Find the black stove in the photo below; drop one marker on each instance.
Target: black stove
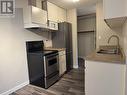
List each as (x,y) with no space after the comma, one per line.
(43,65)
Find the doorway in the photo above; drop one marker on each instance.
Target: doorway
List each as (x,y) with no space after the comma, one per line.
(86,35)
(85,43)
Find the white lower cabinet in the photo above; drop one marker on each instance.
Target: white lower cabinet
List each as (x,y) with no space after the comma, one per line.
(62,62)
(104,78)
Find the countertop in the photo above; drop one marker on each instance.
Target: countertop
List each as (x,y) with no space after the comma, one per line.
(109,58)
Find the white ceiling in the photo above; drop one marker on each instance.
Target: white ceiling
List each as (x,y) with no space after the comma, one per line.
(83,6)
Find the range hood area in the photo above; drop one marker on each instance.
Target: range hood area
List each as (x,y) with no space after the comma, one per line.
(35,17)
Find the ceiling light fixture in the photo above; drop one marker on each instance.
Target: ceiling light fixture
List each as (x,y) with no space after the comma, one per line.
(75,0)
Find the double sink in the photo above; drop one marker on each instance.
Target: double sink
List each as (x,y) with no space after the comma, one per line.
(109,50)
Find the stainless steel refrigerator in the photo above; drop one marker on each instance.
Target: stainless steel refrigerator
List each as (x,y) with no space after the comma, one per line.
(63,39)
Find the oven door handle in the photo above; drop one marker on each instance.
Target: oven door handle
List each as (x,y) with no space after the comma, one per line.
(45,72)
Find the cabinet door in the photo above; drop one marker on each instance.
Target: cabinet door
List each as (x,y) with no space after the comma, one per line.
(114,8)
(39,16)
(56,13)
(52,12)
(61,14)
(104,78)
(62,62)
(60,65)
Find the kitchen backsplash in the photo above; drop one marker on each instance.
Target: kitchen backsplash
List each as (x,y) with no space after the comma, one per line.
(45,34)
(48,43)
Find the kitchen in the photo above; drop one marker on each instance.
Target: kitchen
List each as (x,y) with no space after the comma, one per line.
(13,67)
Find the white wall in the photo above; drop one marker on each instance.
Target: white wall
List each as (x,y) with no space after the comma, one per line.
(103,32)
(87,24)
(13,59)
(72,18)
(125,38)
(125,47)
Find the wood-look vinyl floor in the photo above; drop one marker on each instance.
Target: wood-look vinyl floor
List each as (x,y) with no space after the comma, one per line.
(71,83)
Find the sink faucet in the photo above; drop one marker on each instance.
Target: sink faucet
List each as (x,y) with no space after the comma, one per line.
(117,41)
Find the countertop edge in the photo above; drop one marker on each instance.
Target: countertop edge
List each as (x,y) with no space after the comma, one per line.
(92,57)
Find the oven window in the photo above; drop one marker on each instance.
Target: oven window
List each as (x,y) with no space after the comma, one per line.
(52,61)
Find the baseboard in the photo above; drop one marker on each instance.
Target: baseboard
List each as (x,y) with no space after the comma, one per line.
(15,88)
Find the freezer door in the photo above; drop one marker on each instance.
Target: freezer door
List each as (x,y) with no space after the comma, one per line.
(58,38)
(68,36)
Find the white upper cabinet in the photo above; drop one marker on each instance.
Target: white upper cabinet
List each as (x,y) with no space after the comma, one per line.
(114,8)
(61,14)
(38,16)
(115,12)
(34,17)
(56,13)
(52,12)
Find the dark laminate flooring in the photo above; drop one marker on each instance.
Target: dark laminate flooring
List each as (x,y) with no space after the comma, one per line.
(71,83)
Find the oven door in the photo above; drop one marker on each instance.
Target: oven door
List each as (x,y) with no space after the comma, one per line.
(51,64)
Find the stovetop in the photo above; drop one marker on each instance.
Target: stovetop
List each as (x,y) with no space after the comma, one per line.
(47,52)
